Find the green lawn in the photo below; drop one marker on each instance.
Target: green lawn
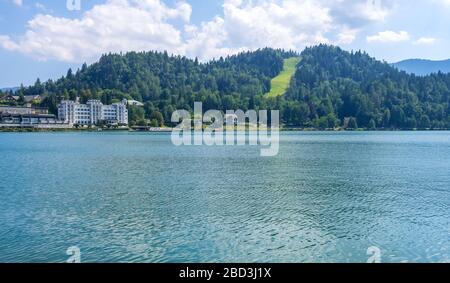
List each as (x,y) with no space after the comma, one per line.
(280,83)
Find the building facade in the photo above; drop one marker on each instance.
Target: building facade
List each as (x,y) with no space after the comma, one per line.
(28,119)
(23,110)
(22,116)
(92,113)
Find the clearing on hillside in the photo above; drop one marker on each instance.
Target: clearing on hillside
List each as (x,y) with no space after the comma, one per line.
(280,83)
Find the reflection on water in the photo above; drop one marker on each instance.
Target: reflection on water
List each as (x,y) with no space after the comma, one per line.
(327,197)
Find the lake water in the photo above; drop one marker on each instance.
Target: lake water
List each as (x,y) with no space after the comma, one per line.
(127,197)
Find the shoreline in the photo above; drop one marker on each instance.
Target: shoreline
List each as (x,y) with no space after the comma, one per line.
(168,130)
(38,130)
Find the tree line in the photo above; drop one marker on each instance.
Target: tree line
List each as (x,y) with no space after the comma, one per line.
(331,88)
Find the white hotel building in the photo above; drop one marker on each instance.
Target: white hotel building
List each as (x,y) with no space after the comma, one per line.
(92,112)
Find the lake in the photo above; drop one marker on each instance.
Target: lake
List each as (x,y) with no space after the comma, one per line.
(135,197)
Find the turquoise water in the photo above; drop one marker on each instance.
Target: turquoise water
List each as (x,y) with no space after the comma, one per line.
(126,197)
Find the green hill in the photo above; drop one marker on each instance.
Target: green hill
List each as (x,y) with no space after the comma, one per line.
(323,87)
(332,86)
(280,83)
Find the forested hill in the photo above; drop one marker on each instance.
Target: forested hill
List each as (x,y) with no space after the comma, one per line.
(331,88)
(331,85)
(166,83)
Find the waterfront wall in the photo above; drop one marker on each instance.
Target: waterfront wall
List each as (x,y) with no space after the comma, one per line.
(37,126)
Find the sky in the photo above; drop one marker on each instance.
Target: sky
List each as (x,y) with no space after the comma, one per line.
(44,38)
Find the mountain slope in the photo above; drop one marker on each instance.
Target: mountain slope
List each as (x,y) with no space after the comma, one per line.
(280,84)
(9,89)
(165,83)
(330,88)
(332,85)
(422,67)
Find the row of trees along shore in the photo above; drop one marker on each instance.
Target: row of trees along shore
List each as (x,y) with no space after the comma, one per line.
(331,88)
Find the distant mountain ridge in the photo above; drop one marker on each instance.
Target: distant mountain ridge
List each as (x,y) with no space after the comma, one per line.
(422,67)
(7,89)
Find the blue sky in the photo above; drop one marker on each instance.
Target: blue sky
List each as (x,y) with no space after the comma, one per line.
(44,38)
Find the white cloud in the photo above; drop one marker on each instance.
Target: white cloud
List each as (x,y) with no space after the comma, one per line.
(137,25)
(284,24)
(288,24)
(346,36)
(359,12)
(42,8)
(117,25)
(425,41)
(208,41)
(18,2)
(373,10)
(7,43)
(389,36)
(443,2)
